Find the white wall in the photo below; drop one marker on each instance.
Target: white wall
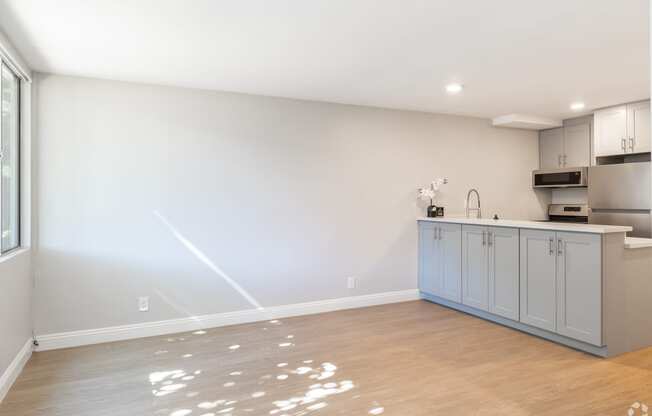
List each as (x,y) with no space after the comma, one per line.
(138,183)
(15,267)
(15,307)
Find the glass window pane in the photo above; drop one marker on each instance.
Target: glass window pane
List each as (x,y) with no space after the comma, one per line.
(9,159)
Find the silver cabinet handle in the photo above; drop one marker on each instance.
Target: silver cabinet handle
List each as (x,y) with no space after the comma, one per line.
(560,247)
(631,143)
(623,144)
(552,246)
(559,160)
(484,239)
(489,237)
(565,158)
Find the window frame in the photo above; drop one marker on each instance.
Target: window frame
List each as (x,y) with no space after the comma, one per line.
(19,131)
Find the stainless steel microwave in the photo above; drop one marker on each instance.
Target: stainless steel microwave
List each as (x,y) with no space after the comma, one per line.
(560,178)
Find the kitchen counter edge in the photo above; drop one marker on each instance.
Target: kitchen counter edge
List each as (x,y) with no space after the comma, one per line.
(534,225)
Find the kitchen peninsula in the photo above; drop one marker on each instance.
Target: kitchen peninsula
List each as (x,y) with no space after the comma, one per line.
(586,286)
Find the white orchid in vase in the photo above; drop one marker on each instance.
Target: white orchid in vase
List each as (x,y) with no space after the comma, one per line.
(430,193)
(427,194)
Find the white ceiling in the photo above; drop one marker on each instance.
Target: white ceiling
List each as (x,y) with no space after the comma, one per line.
(513,56)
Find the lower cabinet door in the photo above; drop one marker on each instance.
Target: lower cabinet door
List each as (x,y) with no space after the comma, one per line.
(579,286)
(450,257)
(538,285)
(429,263)
(503,246)
(475,279)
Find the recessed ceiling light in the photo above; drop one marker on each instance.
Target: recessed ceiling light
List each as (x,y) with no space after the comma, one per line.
(454,88)
(577,106)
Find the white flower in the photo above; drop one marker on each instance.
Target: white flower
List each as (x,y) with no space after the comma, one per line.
(425,193)
(437,183)
(431,192)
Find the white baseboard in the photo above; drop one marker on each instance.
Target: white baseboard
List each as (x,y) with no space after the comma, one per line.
(12,372)
(149,329)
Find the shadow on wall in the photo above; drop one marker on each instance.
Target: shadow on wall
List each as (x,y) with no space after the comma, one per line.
(103,289)
(208,262)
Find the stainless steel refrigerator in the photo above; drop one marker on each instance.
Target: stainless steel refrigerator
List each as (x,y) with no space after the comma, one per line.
(621,194)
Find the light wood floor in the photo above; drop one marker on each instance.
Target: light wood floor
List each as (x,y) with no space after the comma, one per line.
(407,359)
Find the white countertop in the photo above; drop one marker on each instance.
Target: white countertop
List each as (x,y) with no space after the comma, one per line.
(637,242)
(535,225)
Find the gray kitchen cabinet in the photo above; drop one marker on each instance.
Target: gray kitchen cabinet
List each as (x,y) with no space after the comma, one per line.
(503,244)
(577,145)
(490,273)
(561,283)
(622,129)
(428,268)
(551,148)
(579,287)
(538,284)
(546,279)
(638,128)
(565,146)
(475,271)
(450,253)
(440,259)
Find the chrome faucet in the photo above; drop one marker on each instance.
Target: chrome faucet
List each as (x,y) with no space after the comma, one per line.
(468,207)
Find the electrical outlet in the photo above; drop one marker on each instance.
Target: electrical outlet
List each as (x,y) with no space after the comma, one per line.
(351,282)
(143,303)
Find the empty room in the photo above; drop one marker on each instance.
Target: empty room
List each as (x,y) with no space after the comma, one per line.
(325,207)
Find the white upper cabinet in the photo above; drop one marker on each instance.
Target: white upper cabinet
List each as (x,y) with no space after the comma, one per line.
(622,129)
(610,131)
(551,148)
(577,145)
(568,146)
(638,128)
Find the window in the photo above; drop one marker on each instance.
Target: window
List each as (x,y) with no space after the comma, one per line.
(9,160)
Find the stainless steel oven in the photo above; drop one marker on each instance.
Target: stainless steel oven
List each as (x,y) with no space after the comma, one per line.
(560,178)
(578,213)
